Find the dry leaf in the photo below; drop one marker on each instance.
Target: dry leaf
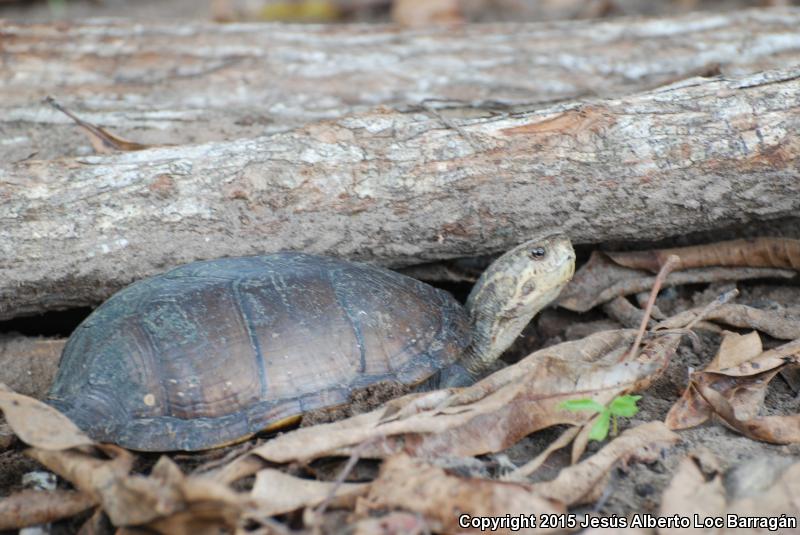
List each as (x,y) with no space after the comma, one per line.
(84,470)
(773,429)
(101,139)
(413,485)
(584,482)
(40,425)
(735,349)
(600,280)
(32,507)
(695,489)
(776,323)
(166,501)
(753,252)
(736,393)
(276,492)
(175,503)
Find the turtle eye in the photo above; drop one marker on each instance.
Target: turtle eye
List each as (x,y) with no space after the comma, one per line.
(537,253)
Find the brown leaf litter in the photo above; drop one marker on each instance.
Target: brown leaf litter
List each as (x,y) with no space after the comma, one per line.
(733,388)
(609,275)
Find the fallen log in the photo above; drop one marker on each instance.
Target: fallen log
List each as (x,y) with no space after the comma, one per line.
(173,83)
(399,188)
(28,364)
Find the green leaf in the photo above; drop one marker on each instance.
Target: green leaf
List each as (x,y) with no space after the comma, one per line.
(599,430)
(624,406)
(584,404)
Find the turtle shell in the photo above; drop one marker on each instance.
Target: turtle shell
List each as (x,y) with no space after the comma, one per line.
(214,351)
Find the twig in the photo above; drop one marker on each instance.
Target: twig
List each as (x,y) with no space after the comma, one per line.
(33,507)
(340,479)
(671,263)
(713,305)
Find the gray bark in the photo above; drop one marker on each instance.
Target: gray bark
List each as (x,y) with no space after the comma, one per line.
(28,365)
(399,188)
(192,83)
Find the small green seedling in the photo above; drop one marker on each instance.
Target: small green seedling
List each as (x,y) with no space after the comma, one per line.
(620,406)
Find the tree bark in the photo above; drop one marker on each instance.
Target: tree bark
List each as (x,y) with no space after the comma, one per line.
(192,83)
(28,364)
(398,188)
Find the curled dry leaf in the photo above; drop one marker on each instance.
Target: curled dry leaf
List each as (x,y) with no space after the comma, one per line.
(773,429)
(736,393)
(40,425)
(32,507)
(584,482)
(495,412)
(172,503)
(440,498)
(780,324)
(755,252)
(101,139)
(600,280)
(276,492)
(412,485)
(691,410)
(84,469)
(166,501)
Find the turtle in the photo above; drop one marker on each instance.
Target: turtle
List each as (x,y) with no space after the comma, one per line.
(212,352)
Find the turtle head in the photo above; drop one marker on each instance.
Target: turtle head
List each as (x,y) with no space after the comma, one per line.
(511,291)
